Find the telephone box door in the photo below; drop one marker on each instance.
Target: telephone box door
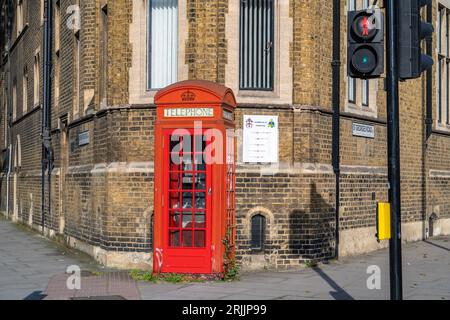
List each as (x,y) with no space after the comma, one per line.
(186,203)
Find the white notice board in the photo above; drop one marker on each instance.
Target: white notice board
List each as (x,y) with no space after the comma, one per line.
(260,139)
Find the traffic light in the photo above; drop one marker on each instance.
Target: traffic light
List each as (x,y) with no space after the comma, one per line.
(412,30)
(365,55)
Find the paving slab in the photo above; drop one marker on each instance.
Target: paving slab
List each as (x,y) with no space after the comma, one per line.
(33,267)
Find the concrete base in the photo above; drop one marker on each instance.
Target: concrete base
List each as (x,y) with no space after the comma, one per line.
(442,227)
(254,262)
(113,259)
(362,240)
(352,242)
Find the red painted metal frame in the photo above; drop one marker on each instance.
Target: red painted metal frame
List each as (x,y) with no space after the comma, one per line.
(193,94)
(196,260)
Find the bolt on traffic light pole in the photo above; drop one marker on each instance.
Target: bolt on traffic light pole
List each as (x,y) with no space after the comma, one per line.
(395,248)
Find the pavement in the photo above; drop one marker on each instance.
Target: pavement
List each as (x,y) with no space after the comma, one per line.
(35,268)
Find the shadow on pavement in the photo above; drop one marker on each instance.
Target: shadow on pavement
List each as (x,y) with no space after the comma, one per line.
(436,245)
(36,295)
(339,293)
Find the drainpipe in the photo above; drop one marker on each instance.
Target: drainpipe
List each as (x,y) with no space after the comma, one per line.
(429,93)
(9,100)
(428,117)
(336,64)
(46,121)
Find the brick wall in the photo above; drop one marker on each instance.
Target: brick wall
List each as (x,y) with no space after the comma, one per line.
(102,192)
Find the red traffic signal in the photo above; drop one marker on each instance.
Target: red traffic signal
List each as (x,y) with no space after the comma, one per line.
(364,26)
(365,50)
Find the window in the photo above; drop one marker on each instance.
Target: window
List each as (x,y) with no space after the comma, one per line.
(77,56)
(258,232)
(443,112)
(57,66)
(57,25)
(37,77)
(351,5)
(25,91)
(19,13)
(76,67)
(103,56)
(57,81)
(162,43)
(5,119)
(42,11)
(14,100)
(256,52)
(351,89)
(365,92)
(18,153)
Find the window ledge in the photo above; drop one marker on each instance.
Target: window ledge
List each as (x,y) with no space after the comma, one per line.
(20,36)
(257,93)
(366,111)
(26,114)
(442,128)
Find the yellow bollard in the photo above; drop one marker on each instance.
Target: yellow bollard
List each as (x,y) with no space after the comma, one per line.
(383,221)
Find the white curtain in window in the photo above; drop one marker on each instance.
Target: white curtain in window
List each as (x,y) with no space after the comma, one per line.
(351,83)
(351,5)
(163,43)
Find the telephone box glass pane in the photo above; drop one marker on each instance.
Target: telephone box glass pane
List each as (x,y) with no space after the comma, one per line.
(187,220)
(187,200)
(200,238)
(174,238)
(200,220)
(187,238)
(174,181)
(200,200)
(175,220)
(175,144)
(187,162)
(187,181)
(200,181)
(174,200)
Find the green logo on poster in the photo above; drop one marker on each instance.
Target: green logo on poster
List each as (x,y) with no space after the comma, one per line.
(271,124)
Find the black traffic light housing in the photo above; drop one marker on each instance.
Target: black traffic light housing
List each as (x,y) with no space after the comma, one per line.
(412,30)
(365,55)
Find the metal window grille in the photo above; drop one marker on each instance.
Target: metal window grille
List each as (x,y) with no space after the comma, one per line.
(366,4)
(256,45)
(365,93)
(443,105)
(440,100)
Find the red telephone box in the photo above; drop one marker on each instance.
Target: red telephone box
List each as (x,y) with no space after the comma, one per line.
(194,178)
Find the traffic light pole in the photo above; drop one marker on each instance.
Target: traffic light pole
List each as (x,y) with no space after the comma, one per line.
(393,129)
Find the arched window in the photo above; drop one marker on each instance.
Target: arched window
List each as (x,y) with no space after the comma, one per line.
(258,232)
(18,154)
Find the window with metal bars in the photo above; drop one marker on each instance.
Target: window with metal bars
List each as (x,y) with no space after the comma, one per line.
(365,93)
(257,19)
(258,232)
(443,44)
